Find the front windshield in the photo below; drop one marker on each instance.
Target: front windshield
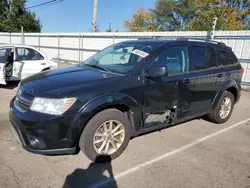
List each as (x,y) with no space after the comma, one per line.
(120,58)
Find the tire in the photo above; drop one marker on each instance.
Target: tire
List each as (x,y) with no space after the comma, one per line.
(215,116)
(86,142)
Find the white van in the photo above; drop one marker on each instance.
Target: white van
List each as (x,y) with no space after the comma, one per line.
(19,61)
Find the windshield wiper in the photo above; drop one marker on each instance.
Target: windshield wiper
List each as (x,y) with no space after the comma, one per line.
(97,67)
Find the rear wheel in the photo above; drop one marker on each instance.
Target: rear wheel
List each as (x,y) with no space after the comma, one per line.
(106,135)
(224,108)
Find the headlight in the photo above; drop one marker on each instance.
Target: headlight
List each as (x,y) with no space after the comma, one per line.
(51,106)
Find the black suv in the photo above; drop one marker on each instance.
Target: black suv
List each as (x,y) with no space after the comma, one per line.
(125,90)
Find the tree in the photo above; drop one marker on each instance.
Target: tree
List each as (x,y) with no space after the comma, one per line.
(181,15)
(173,15)
(168,15)
(142,21)
(13,15)
(231,14)
(111,30)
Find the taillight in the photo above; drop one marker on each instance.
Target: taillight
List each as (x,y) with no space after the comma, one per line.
(242,70)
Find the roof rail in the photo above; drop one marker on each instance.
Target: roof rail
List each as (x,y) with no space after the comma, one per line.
(199,39)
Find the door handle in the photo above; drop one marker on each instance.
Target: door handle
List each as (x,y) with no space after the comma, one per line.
(187,81)
(43,63)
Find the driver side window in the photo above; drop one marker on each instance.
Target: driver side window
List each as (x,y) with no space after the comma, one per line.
(174,59)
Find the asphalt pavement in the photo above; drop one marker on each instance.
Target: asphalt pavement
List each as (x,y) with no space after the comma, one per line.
(193,154)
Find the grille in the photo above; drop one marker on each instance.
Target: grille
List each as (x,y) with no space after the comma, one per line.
(23,101)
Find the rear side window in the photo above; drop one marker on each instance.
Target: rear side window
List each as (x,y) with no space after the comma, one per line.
(226,57)
(28,54)
(201,57)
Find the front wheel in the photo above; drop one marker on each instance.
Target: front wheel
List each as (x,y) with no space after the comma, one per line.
(106,135)
(224,108)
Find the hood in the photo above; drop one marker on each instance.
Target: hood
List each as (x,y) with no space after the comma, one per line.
(55,82)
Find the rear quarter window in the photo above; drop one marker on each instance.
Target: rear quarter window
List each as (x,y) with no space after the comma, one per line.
(226,57)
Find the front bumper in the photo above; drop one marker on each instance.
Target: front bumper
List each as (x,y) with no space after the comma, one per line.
(41,133)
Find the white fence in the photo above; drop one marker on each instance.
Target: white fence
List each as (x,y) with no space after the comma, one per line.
(76,47)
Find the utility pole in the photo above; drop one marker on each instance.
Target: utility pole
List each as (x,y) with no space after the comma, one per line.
(94,29)
(213,28)
(22,35)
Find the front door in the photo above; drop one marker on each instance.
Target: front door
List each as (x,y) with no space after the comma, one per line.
(2,74)
(161,95)
(6,60)
(28,62)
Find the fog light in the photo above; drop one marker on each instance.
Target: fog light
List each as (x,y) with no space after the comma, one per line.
(36,142)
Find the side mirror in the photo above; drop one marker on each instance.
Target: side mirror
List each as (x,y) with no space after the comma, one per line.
(156,71)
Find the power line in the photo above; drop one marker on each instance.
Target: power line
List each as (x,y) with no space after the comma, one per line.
(45,3)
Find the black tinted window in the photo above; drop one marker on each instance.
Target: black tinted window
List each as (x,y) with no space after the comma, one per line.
(201,58)
(226,57)
(175,59)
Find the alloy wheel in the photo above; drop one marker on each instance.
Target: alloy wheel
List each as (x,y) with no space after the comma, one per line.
(109,137)
(225,108)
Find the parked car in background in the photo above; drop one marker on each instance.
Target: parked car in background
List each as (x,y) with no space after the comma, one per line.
(123,91)
(20,61)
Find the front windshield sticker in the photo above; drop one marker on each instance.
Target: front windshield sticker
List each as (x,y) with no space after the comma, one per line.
(140,53)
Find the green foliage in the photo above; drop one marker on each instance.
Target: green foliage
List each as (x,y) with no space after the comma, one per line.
(173,15)
(111,30)
(13,15)
(142,21)
(180,15)
(108,30)
(231,14)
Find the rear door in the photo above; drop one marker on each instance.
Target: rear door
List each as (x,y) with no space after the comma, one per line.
(201,79)
(28,62)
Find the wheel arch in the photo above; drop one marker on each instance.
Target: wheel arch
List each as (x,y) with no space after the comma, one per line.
(45,69)
(119,101)
(234,91)
(230,86)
